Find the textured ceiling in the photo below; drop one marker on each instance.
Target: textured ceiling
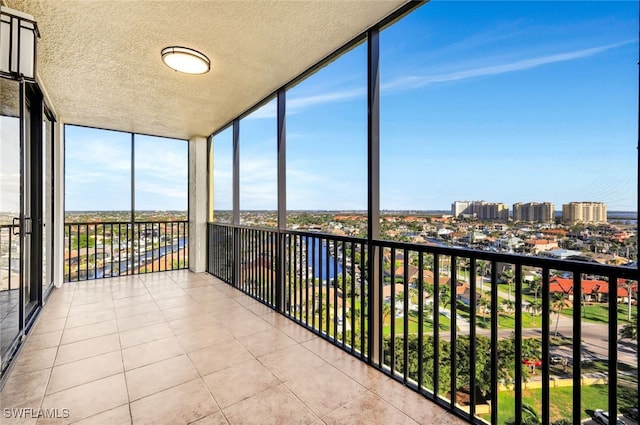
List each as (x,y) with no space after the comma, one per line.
(100,64)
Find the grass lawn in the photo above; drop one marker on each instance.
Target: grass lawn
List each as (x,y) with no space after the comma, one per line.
(599,313)
(509,322)
(593,397)
(445,325)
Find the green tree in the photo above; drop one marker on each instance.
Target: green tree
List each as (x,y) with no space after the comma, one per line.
(445,296)
(386,312)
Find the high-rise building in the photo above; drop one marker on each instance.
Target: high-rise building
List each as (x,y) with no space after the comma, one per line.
(480,210)
(533,212)
(462,208)
(584,212)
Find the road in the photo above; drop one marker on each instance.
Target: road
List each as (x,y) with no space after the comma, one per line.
(626,420)
(595,336)
(595,339)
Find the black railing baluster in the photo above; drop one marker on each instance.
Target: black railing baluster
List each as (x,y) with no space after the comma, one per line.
(334,284)
(473,303)
(405,317)
(313,284)
(392,312)
(364,297)
(613,346)
(518,343)
(327,256)
(420,299)
(380,307)
(577,346)
(436,325)
(306,277)
(546,376)
(454,331)
(100,261)
(494,343)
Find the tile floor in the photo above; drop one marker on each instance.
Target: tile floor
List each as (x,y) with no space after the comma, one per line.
(180,348)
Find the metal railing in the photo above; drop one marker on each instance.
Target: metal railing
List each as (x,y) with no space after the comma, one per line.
(9,257)
(107,249)
(495,338)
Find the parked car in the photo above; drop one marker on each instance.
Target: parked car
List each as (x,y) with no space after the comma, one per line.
(632,413)
(603,417)
(555,359)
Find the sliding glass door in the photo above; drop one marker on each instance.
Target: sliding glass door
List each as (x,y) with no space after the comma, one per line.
(11,210)
(23,215)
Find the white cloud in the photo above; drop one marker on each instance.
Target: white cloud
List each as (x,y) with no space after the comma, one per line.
(416,81)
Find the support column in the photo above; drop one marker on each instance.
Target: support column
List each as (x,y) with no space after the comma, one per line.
(198,204)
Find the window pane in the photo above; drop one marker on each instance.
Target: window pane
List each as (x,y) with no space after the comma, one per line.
(510,102)
(327,143)
(97,174)
(221,186)
(516,102)
(10,252)
(258,167)
(161,178)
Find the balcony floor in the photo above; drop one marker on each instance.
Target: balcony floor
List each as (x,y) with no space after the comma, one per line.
(178,348)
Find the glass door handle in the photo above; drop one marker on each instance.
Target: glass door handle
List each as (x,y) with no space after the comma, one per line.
(15,226)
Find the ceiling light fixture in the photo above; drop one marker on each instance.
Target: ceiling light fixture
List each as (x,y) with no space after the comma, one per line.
(185,60)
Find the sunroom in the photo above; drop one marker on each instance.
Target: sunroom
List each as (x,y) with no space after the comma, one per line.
(268,238)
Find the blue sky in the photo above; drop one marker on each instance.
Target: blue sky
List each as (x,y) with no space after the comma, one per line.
(498,101)
(98,171)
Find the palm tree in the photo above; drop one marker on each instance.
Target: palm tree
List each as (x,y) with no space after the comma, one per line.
(534,308)
(413,297)
(482,267)
(509,306)
(399,299)
(428,290)
(628,285)
(536,286)
(483,304)
(507,276)
(463,264)
(557,304)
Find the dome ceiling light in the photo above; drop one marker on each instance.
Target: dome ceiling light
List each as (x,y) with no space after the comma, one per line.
(185,60)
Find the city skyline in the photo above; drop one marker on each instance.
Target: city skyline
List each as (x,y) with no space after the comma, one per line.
(506,101)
